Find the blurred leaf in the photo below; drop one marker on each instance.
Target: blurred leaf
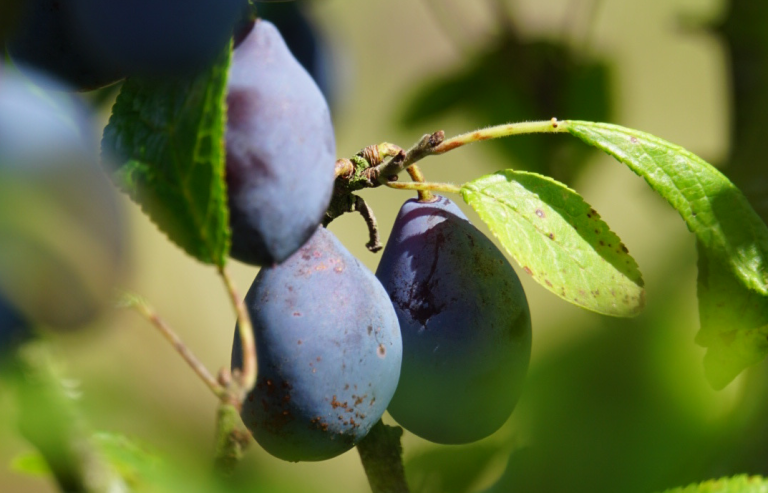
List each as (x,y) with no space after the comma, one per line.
(31,464)
(732,239)
(734,322)
(737,484)
(514,80)
(559,240)
(449,469)
(131,461)
(167,138)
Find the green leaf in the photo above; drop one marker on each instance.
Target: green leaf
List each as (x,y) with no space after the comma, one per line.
(733,322)
(133,462)
(559,240)
(167,140)
(732,241)
(736,484)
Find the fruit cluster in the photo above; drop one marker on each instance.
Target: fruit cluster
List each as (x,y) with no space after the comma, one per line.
(440,336)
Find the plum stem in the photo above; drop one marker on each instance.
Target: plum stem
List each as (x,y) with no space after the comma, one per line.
(382,456)
(247,342)
(426,187)
(418,177)
(149,313)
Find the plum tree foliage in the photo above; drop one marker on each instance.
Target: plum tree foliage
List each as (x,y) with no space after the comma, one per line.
(227,144)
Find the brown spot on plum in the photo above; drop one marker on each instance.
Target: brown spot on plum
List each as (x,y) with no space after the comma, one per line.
(633,140)
(299,342)
(296,314)
(602,243)
(540,213)
(370,329)
(551,236)
(381,351)
(546,281)
(318,359)
(528,270)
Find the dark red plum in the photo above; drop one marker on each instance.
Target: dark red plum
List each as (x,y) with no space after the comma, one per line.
(280,150)
(329,352)
(465,324)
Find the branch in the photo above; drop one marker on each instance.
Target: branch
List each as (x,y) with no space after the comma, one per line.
(382,458)
(143,308)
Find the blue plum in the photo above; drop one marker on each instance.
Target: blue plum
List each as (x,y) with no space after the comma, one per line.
(329,352)
(304,40)
(47,38)
(156,38)
(280,148)
(465,324)
(62,239)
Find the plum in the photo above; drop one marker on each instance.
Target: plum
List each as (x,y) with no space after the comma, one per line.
(465,324)
(156,38)
(304,40)
(48,39)
(62,241)
(280,150)
(329,352)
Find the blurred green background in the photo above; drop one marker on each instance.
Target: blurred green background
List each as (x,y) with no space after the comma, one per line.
(610,404)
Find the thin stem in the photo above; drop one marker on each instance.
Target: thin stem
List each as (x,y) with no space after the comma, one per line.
(426,186)
(418,177)
(382,456)
(245,329)
(507,130)
(151,315)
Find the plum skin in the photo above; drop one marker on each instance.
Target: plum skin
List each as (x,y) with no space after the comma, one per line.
(329,352)
(465,324)
(280,149)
